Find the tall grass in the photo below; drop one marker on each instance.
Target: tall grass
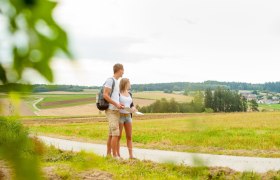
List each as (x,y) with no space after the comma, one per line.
(69,165)
(18,150)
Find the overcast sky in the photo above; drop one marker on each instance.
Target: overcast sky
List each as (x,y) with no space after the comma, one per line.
(170,40)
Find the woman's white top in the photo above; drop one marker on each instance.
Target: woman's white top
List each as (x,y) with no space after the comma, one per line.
(126,101)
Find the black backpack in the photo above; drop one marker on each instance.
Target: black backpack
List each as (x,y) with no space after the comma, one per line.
(101,103)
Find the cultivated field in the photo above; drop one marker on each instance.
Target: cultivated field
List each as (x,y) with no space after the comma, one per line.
(251,134)
(62,100)
(58,104)
(157,95)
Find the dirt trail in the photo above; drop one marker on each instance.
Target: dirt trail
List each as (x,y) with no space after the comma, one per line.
(8,109)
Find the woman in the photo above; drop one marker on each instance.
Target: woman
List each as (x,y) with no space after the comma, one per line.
(125,116)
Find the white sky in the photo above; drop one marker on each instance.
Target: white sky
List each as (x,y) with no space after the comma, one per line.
(170,40)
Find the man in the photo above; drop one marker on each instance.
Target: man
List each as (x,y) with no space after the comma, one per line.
(112,113)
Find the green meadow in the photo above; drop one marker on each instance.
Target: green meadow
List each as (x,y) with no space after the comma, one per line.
(250,134)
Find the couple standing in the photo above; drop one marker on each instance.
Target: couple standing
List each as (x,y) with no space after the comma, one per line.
(117,117)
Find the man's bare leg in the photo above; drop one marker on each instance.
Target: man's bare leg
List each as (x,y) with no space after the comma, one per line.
(114,145)
(109,148)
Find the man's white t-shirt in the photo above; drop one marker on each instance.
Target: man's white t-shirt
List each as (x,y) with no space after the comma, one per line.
(116,92)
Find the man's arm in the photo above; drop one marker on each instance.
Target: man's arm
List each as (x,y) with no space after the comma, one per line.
(106,95)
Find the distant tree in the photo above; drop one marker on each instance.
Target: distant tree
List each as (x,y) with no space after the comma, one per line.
(171,106)
(255,92)
(186,92)
(167,91)
(208,98)
(176,88)
(198,102)
(244,104)
(224,100)
(254,105)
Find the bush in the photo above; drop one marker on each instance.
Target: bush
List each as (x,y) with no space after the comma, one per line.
(172,106)
(208,110)
(18,150)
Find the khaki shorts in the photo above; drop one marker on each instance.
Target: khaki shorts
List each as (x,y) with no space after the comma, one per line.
(113,119)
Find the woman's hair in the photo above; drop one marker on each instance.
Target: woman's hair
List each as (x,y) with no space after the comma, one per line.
(123,84)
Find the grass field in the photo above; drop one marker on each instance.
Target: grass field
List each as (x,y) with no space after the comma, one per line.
(270,107)
(64,100)
(156,95)
(251,134)
(69,165)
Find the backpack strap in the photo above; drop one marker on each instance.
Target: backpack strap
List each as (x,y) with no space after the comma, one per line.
(132,104)
(113,86)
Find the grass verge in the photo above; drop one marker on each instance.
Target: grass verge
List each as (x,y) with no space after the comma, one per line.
(70,165)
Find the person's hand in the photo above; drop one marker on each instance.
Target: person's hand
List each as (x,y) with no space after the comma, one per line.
(120,106)
(134,109)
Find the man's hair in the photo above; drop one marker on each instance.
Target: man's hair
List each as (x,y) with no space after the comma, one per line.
(117,67)
(123,84)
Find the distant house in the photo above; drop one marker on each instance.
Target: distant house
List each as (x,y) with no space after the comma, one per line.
(249,96)
(268,101)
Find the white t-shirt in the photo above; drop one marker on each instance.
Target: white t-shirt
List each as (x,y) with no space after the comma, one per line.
(126,100)
(115,95)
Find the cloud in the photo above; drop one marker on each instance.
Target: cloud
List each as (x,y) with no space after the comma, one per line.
(110,49)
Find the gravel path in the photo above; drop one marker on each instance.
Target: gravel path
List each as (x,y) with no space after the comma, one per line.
(238,163)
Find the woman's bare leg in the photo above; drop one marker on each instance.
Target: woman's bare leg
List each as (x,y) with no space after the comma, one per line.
(128,132)
(119,139)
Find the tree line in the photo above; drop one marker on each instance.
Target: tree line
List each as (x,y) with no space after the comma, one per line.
(171,106)
(42,88)
(219,100)
(166,87)
(190,86)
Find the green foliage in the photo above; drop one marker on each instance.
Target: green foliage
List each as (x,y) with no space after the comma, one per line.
(224,100)
(56,155)
(242,134)
(88,164)
(42,88)
(172,106)
(190,86)
(167,91)
(208,99)
(254,105)
(208,110)
(18,149)
(186,93)
(34,37)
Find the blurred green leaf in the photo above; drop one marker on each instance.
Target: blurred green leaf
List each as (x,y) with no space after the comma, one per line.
(3,76)
(34,22)
(35,39)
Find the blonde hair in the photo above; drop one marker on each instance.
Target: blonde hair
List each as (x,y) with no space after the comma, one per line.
(123,84)
(117,67)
